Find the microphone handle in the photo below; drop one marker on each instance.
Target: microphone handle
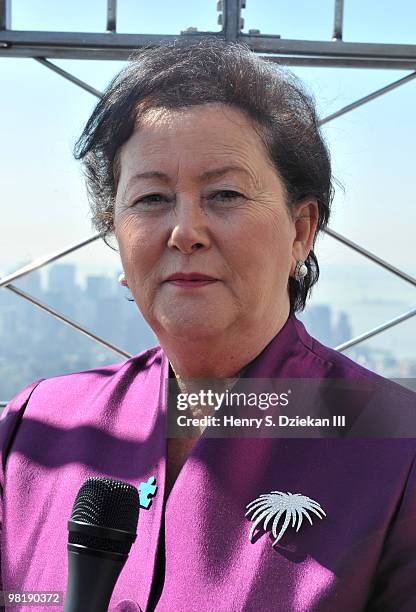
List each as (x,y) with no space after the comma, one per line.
(91,580)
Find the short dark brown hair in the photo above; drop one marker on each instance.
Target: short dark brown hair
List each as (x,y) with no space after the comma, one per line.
(199,70)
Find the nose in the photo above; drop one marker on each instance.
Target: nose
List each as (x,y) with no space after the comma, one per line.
(190,230)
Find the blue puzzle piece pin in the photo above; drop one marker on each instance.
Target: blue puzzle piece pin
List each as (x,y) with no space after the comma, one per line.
(147,490)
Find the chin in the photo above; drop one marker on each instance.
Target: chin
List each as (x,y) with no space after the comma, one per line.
(190,326)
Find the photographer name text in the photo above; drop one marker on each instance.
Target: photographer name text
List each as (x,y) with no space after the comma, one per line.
(268,421)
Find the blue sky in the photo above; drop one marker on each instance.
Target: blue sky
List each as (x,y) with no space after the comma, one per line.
(43,197)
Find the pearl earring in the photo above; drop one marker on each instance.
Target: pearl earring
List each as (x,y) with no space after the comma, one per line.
(122,280)
(301,270)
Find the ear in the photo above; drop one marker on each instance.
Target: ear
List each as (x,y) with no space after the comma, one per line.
(305,218)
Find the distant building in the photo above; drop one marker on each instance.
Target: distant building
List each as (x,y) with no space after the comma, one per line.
(30,283)
(342,330)
(98,287)
(317,320)
(61,278)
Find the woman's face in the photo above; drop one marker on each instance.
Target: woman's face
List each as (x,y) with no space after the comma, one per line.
(197,195)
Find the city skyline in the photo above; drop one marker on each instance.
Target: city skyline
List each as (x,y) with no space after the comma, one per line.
(100,304)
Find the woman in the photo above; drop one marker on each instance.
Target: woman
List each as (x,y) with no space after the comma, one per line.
(207,165)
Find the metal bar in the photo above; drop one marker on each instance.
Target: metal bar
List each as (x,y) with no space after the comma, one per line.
(368,98)
(85,39)
(335,62)
(381,262)
(338,19)
(111,15)
(43,261)
(124,54)
(5,14)
(376,330)
(340,49)
(69,76)
(231,19)
(119,55)
(78,45)
(67,321)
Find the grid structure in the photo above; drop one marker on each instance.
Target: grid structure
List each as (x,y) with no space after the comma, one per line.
(110,45)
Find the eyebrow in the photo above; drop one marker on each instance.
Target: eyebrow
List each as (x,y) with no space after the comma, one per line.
(204,175)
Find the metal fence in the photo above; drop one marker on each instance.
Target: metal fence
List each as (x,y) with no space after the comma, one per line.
(111,45)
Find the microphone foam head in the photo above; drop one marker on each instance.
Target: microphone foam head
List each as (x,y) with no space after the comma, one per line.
(108,503)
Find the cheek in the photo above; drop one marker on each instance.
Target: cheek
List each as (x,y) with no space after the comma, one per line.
(263,243)
(278,238)
(140,247)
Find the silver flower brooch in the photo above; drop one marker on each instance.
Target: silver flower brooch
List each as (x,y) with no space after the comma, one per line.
(286,506)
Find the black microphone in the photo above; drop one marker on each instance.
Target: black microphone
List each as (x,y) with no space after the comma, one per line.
(101,529)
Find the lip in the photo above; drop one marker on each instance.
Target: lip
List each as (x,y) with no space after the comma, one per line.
(191,280)
(190,277)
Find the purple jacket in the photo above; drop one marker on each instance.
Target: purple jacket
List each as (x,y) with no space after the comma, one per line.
(110,421)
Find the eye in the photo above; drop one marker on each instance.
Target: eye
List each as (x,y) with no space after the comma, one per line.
(151,199)
(226,194)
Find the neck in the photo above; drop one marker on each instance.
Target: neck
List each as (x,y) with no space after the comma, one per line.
(222,357)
